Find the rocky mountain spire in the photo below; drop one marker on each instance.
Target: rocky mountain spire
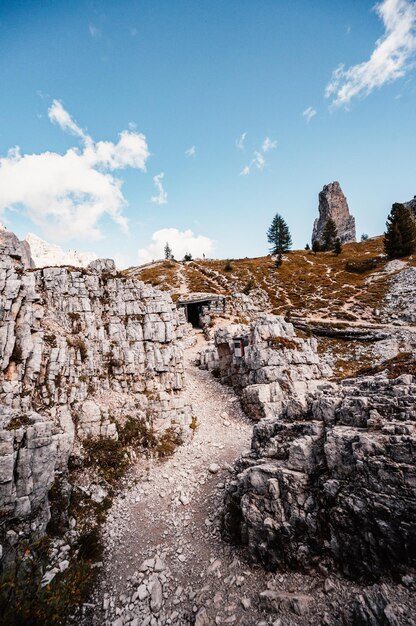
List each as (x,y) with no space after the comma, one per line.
(333,204)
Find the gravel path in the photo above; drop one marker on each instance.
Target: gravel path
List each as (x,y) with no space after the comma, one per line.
(165,561)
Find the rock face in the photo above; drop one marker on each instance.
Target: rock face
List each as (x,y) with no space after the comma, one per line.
(400,302)
(332,485)
(333,204)
(80,350)
(276,365)
(12,247)
(46,254)
(411,205)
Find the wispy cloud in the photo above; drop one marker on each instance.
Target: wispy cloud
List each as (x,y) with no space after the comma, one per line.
(58,115)
(95,32)
(162,196)
(67,195)
(240,141)
(308,114)
(391,58)
(180,242)
(258,161)
(190,152)
(268,144)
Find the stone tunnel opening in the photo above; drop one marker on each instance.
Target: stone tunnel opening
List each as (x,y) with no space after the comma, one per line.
(193,312)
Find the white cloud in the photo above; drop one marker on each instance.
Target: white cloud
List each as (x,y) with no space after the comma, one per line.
(308,114)
(162,196)
(67,195)
(258,161)
(268,144)
(58,115)
(390,60)
(240,141)
(190,152)
(180,241)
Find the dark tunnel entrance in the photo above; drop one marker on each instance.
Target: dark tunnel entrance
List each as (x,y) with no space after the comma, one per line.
(193,311)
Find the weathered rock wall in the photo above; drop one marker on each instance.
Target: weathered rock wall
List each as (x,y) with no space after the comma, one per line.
(80,350)
(276,365)
(332,486)
(333,204)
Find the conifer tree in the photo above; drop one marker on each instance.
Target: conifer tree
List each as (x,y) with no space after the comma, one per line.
(329,235)
(338,246)
(316,246)
(279,236)
(168,252)
(400,236)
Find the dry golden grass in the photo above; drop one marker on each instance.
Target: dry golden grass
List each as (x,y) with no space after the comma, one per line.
(321,285)
(163,275)
(347,287)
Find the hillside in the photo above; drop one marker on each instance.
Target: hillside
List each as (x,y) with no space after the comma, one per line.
(347,287)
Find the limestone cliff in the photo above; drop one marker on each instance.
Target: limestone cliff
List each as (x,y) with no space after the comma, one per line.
(333,204)
(80,350)
(332,485)
(276,366)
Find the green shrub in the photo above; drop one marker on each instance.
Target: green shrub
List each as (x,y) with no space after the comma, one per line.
(168,443)
(107,456)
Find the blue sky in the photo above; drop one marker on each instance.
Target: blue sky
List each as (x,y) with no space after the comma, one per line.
(175,76)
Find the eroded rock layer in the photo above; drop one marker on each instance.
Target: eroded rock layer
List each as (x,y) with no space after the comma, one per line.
(81,351)
(276,364)
(333,485)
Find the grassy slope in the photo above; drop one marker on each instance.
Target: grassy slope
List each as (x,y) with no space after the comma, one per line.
(308,285)
(313,285)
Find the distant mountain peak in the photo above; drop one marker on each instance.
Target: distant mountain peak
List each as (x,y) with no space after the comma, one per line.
(44,253)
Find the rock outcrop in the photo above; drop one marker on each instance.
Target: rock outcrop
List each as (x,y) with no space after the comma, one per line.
(276,364)
(45,254)
(333,204)
(411,205)
(81,351)
(18,251)
(332,486)
(400,302)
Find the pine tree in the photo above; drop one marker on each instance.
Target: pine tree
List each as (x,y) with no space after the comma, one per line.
(329,235)
(400,236)
(187,257)
(279,236)
(316,246)
(338,246)
(307,247)
(168,252)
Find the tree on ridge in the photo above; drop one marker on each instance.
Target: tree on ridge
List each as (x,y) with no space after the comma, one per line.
(278,235)
(400,236)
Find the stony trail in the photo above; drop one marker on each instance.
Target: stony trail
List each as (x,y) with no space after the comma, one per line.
(165,561)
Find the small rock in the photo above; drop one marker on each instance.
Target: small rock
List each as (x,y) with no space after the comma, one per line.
(214,468)
(156,596)
(329,585)
(201,618)
(142,592)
